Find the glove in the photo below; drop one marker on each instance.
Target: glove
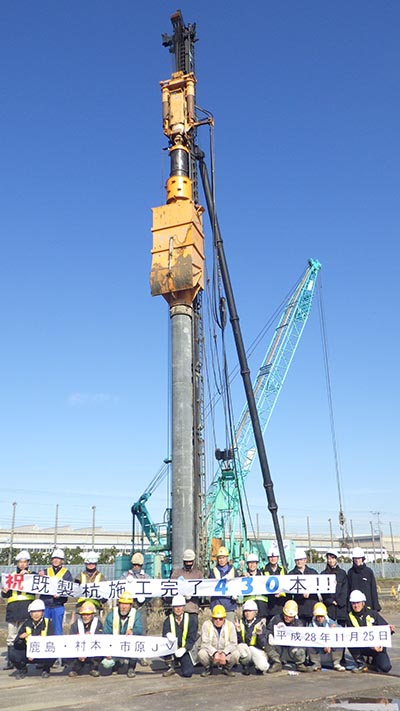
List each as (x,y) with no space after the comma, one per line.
(180,652)
(141,599)
(171,637)
(271,640)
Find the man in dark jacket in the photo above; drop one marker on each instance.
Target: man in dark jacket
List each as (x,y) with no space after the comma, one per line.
(336,602)
(252,638)
(362,616)
(36,625)
(17,602)
(275,601)
(282,657)
(307,601)
(362,578)
(183,626)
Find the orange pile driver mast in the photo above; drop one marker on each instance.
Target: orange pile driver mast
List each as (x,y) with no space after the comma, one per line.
(177,273)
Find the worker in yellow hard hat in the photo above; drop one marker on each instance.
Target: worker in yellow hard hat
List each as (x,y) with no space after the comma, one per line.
(223,571)
(89,623)
(123,619)
(324,656)
(218,645)
(279,656)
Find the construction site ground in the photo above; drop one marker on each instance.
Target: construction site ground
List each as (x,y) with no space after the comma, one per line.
(150,690)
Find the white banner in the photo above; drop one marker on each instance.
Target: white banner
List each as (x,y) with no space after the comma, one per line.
(148,588)
(99,645)
(378,636)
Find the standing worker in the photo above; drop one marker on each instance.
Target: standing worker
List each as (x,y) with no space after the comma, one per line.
(17,603)
(88,576)
(137,573)
(189,572)
(224,570)
(361,577)
(54,604)
(307,601)
(336,602)
(276,601)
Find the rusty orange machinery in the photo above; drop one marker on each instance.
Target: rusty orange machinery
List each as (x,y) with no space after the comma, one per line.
(177,268)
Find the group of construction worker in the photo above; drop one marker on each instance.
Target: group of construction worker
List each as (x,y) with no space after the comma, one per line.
(234,635)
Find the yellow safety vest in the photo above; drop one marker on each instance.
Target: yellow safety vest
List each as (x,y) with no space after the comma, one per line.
(229,575)
(185,626)
(16,595)
(43,633)
(117,620)
(52,574)
(243,634)
(354,620)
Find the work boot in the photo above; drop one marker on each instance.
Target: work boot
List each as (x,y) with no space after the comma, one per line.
(246,669)
(45,674)
(303,668)
(170,672)
(131,673)
(144,662)
(94,672)
(228,671)
(22,673)
(207,671)
(275,667)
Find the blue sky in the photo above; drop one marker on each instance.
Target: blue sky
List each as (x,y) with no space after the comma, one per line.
(307,109)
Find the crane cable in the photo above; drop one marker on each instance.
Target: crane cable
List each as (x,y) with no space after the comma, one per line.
(324,338)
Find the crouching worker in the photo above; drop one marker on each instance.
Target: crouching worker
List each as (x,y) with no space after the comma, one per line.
(362,616)
(123,619)
(319,656)
(281,657)
(87,623)
(36,625)
(252,638)
(184,627)
(218,643)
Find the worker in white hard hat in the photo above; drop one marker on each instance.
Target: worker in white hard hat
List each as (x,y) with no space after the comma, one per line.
(136,572)
(189,571)
(224,570)
(362,616)
(324,656)
(89,576)
(252,569)
(276,601)
(280,656)
(17,601)
(336,601)
(183,626)
(35,625)
(123,619)
(87,623)
(54,604)
(252,639)
(307,601)
(361,577)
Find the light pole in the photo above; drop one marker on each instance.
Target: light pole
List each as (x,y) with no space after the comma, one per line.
(330,528)
(309,539)
(12,533)
(93,525)
(56,527)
